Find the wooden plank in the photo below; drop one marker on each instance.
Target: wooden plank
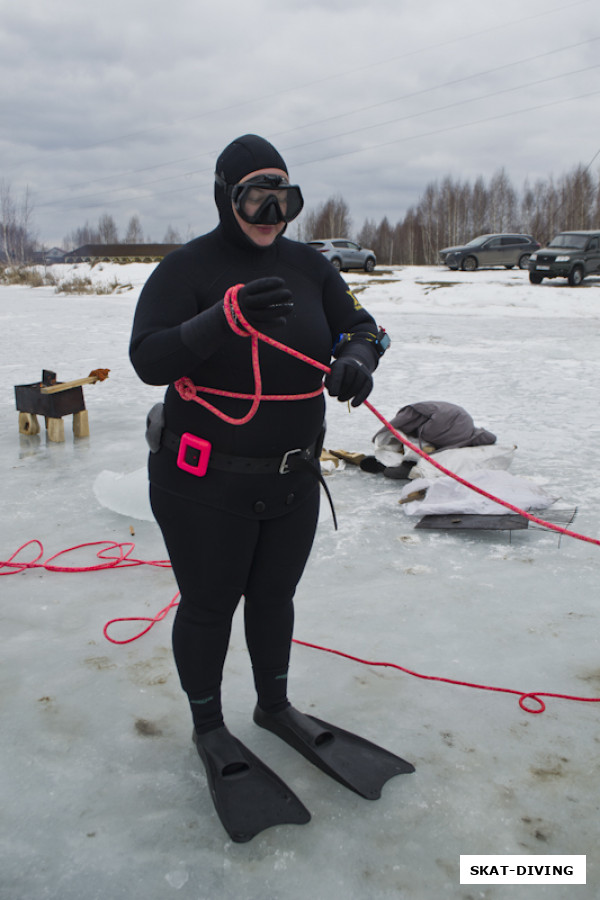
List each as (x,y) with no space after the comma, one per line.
(67,385)
(458,521)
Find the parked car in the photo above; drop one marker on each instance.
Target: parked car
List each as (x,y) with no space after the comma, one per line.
(571,255)
(345,254)
(507,250)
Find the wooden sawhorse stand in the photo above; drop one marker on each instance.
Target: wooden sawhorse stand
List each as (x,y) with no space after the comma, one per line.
(53,400)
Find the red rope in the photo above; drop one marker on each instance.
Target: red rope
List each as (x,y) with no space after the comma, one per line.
(151,619)
(523,696)
(238,323)
(478,490)
(114,556)
(188,391)
(121,560)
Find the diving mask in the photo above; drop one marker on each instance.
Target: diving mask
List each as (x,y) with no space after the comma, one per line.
(265,199)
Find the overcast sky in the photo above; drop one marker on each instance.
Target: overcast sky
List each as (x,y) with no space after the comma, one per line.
(122,107)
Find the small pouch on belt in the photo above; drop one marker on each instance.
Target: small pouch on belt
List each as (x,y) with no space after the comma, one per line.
(155,423)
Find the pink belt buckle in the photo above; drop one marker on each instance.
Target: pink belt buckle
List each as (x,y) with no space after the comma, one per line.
(190,440)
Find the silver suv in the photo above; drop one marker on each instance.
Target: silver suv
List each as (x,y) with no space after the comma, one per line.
(344,254)
(507,250)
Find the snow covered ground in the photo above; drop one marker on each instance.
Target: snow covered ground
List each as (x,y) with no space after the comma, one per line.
(103,795)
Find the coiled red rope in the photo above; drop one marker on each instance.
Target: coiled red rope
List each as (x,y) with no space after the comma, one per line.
(114,555)
(238,323)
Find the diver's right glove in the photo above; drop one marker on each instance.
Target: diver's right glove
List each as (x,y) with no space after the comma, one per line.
(265,300)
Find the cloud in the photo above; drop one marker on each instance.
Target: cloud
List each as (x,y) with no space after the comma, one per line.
(123,108)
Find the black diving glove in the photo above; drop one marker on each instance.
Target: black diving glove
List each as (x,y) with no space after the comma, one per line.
(350,377)
(265,300)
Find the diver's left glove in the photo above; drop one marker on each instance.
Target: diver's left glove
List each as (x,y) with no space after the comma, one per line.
(350,376)
(262,300)
(265,300)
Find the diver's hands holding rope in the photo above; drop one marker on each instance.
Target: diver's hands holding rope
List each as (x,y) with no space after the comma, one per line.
(268,300)
(265,300)
(350,376)
(349,380)
(260,301)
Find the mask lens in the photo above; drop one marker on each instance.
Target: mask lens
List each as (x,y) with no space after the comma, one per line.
(263,203)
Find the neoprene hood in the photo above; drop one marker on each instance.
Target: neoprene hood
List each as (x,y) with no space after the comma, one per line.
(245,154)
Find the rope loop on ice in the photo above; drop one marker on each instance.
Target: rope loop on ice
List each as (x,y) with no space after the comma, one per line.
(114,555)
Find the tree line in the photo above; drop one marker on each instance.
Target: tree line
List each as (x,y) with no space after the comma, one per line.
(452,211)
(106,231)
(449,212)
(18,238)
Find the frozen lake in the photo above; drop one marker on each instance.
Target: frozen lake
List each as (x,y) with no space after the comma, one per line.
(103,793)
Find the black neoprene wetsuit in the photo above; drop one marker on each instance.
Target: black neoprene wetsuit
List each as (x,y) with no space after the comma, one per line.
(228,534)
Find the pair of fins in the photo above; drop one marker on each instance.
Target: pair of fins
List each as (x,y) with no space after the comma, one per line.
(249,797)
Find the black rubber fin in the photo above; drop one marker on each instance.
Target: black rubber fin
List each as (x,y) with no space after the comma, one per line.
(353,761)
(248,796)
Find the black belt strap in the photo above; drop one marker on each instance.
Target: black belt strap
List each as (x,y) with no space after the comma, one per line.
(292,461)
(240,465)
(296,463)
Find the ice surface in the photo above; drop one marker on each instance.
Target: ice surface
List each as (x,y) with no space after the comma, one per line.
(103,795)
(125,493)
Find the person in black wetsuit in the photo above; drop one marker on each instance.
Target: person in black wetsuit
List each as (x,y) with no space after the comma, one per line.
(246,526)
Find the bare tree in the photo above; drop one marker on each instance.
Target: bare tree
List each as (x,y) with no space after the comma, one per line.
(428,220)
(367,236)
(79,237)
(409,241)
(384,242)
(8,215)
(172,236)
(596,213)
(107,229)
(17,239)
(578,193)
(331,219)
(134,233)
(26,237)
(502,203)
(479,208)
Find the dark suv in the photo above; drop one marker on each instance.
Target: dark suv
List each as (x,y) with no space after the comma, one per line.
(571,255)
(507,250)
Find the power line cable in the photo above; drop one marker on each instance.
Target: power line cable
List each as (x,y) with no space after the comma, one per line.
(244,103)
(447,106)
(196,172)
(352,112)
(443,84)
(449,128)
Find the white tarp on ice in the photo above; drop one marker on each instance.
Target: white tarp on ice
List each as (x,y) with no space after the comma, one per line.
(446,495)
